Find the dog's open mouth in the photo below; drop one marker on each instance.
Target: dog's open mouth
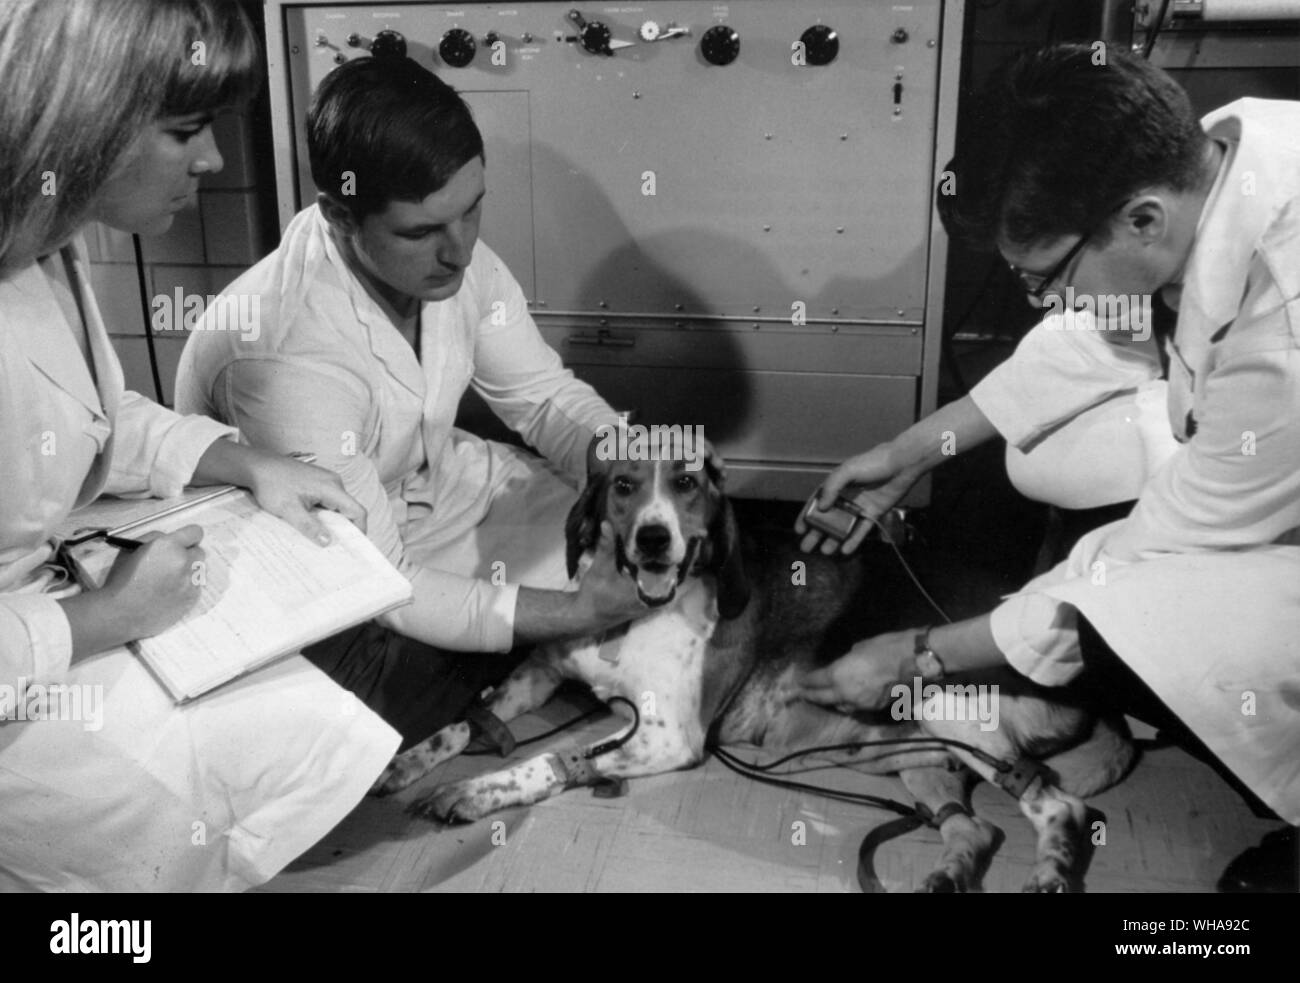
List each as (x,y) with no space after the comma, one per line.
(656,583)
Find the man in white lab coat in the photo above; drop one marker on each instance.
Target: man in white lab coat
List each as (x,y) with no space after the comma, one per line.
(379,309)
(1089,173)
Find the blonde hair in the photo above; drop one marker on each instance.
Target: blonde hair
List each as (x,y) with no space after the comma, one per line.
(82,79)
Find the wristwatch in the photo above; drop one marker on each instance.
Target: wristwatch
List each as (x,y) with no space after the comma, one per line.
(928,663)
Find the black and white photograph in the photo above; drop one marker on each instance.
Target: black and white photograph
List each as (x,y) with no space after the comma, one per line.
(669,447)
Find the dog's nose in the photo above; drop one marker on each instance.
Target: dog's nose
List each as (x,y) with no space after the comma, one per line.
(653,540)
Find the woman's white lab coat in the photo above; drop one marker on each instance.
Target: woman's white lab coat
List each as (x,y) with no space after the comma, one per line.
(136,794)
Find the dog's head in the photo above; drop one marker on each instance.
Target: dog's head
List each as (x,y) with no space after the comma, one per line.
(669,522)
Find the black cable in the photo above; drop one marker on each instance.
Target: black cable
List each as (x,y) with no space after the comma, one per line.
(550,733)
(601,748)
(1154,30)
(947,742)
(148,319)
(615,743)
(742,768)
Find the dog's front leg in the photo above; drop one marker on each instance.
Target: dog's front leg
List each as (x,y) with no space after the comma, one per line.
(528,687)
(969,842)
(657,746)
(1058,818)
(473,798)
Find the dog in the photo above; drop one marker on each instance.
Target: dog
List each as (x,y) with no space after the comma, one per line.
(716,661)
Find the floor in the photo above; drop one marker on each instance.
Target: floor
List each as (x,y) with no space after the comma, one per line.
(1171,826)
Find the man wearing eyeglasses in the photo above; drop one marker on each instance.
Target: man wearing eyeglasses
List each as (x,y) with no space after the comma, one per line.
(1096,183)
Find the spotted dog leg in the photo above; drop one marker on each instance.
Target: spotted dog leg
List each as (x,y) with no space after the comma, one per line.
(657,746)
(969,842)
(528,687)
(1058,818)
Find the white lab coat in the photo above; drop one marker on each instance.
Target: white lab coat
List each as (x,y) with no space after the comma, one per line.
(138,794)
(465,519)
(1198,589)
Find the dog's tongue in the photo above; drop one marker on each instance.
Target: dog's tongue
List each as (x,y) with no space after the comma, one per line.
(656,586)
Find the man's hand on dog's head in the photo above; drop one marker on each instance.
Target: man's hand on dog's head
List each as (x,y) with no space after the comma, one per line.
(607,597)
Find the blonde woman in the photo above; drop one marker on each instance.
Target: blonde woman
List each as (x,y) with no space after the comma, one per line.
(106,117)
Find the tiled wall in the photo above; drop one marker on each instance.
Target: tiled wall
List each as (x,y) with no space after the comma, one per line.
(205,249)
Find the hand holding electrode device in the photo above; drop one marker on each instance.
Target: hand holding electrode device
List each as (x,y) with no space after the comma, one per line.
(839,521)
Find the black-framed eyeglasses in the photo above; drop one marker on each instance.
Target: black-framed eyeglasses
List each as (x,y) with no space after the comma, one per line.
(1036,284)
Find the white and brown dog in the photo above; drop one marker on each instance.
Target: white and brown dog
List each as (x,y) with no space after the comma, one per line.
(715,662)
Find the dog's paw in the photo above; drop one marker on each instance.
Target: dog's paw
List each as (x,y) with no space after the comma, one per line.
(1048,879)
(416,762)
(401,772)
(455,802)
(941,882)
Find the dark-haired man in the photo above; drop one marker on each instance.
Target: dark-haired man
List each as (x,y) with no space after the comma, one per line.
(1087,170)
(379,309)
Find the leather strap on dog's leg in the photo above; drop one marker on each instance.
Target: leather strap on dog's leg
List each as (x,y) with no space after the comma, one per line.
(1020,776)
(575,769)
(489,726)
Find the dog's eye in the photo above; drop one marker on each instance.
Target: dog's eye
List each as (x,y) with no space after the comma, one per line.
(686,483)
(623,485)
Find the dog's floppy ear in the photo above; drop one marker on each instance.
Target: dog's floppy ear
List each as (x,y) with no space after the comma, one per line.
(582,527)
(726,560)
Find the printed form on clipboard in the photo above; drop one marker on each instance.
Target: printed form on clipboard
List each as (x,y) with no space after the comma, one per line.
(266,589)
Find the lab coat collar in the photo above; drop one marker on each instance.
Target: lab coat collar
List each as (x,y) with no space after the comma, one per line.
(28,299)
(384,340)
(1257,180)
